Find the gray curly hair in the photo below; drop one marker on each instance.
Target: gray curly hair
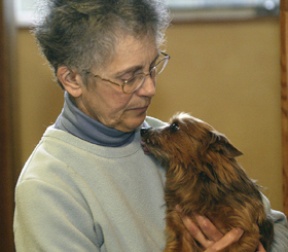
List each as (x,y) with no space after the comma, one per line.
(82,33)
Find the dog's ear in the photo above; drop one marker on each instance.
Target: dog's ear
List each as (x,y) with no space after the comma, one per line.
(222,145)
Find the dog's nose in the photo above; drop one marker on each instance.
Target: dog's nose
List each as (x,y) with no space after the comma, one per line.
(144,131)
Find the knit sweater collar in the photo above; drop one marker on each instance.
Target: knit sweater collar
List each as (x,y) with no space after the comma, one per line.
(77,123)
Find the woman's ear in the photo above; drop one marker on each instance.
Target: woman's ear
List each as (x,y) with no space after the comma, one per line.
(70,80)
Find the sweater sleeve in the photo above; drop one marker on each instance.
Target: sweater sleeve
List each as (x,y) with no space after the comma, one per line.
(280,243)
(53,220)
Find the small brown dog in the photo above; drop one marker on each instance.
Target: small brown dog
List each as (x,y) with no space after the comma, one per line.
(204,178)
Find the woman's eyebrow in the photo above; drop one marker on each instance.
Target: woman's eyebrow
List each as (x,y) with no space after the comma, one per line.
(128,70)
(134,69)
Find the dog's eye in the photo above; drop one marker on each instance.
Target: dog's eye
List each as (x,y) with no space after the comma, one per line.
(174,127)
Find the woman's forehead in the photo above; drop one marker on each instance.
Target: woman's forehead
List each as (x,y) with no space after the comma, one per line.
(131,52)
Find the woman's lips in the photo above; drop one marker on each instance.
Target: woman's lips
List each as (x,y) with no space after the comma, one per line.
(141,108)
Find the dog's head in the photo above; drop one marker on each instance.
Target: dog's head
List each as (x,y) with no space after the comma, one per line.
(186,139)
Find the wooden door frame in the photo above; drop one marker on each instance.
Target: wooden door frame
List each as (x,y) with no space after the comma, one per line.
(8,160)
(7,155)
(284,97)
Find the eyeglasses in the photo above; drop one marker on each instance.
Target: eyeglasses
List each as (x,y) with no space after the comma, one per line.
(134,83)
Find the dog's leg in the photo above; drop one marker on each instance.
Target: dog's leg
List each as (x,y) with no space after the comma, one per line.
(172,232)
(267,233)
(178,237)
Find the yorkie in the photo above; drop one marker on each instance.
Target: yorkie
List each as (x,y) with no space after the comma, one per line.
(203,178)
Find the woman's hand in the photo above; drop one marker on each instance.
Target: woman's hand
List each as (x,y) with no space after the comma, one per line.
(261,248)
(210,237)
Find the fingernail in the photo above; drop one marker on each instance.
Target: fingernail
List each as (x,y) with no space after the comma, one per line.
(178,209)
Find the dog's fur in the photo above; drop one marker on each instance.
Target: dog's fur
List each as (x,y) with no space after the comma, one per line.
(204,178)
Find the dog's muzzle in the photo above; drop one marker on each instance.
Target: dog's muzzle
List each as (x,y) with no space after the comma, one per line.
(144,132)
(144,135)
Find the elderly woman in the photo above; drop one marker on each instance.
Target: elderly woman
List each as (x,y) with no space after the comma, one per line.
(88,186)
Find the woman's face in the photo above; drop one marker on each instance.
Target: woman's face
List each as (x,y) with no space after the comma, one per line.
(106,102)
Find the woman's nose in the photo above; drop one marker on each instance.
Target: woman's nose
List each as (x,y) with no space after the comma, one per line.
(149,86)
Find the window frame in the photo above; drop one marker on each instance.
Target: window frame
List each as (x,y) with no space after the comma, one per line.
(181,10)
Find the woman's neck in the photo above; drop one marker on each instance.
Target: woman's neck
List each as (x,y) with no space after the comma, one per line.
(77,123)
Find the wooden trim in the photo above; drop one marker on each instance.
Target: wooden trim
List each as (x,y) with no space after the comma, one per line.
(6,129)
(284,96)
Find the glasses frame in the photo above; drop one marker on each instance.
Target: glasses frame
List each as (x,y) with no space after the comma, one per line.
(166,58)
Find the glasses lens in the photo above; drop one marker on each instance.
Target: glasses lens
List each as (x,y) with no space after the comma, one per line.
(134,83)
(160,66)
(137,81)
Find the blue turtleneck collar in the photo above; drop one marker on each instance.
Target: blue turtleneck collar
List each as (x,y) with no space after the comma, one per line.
(75,122)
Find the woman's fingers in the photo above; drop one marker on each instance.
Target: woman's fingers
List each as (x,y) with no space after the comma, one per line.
(261,248)
(208,228)
(196,232)
(209,236)
(229,238)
